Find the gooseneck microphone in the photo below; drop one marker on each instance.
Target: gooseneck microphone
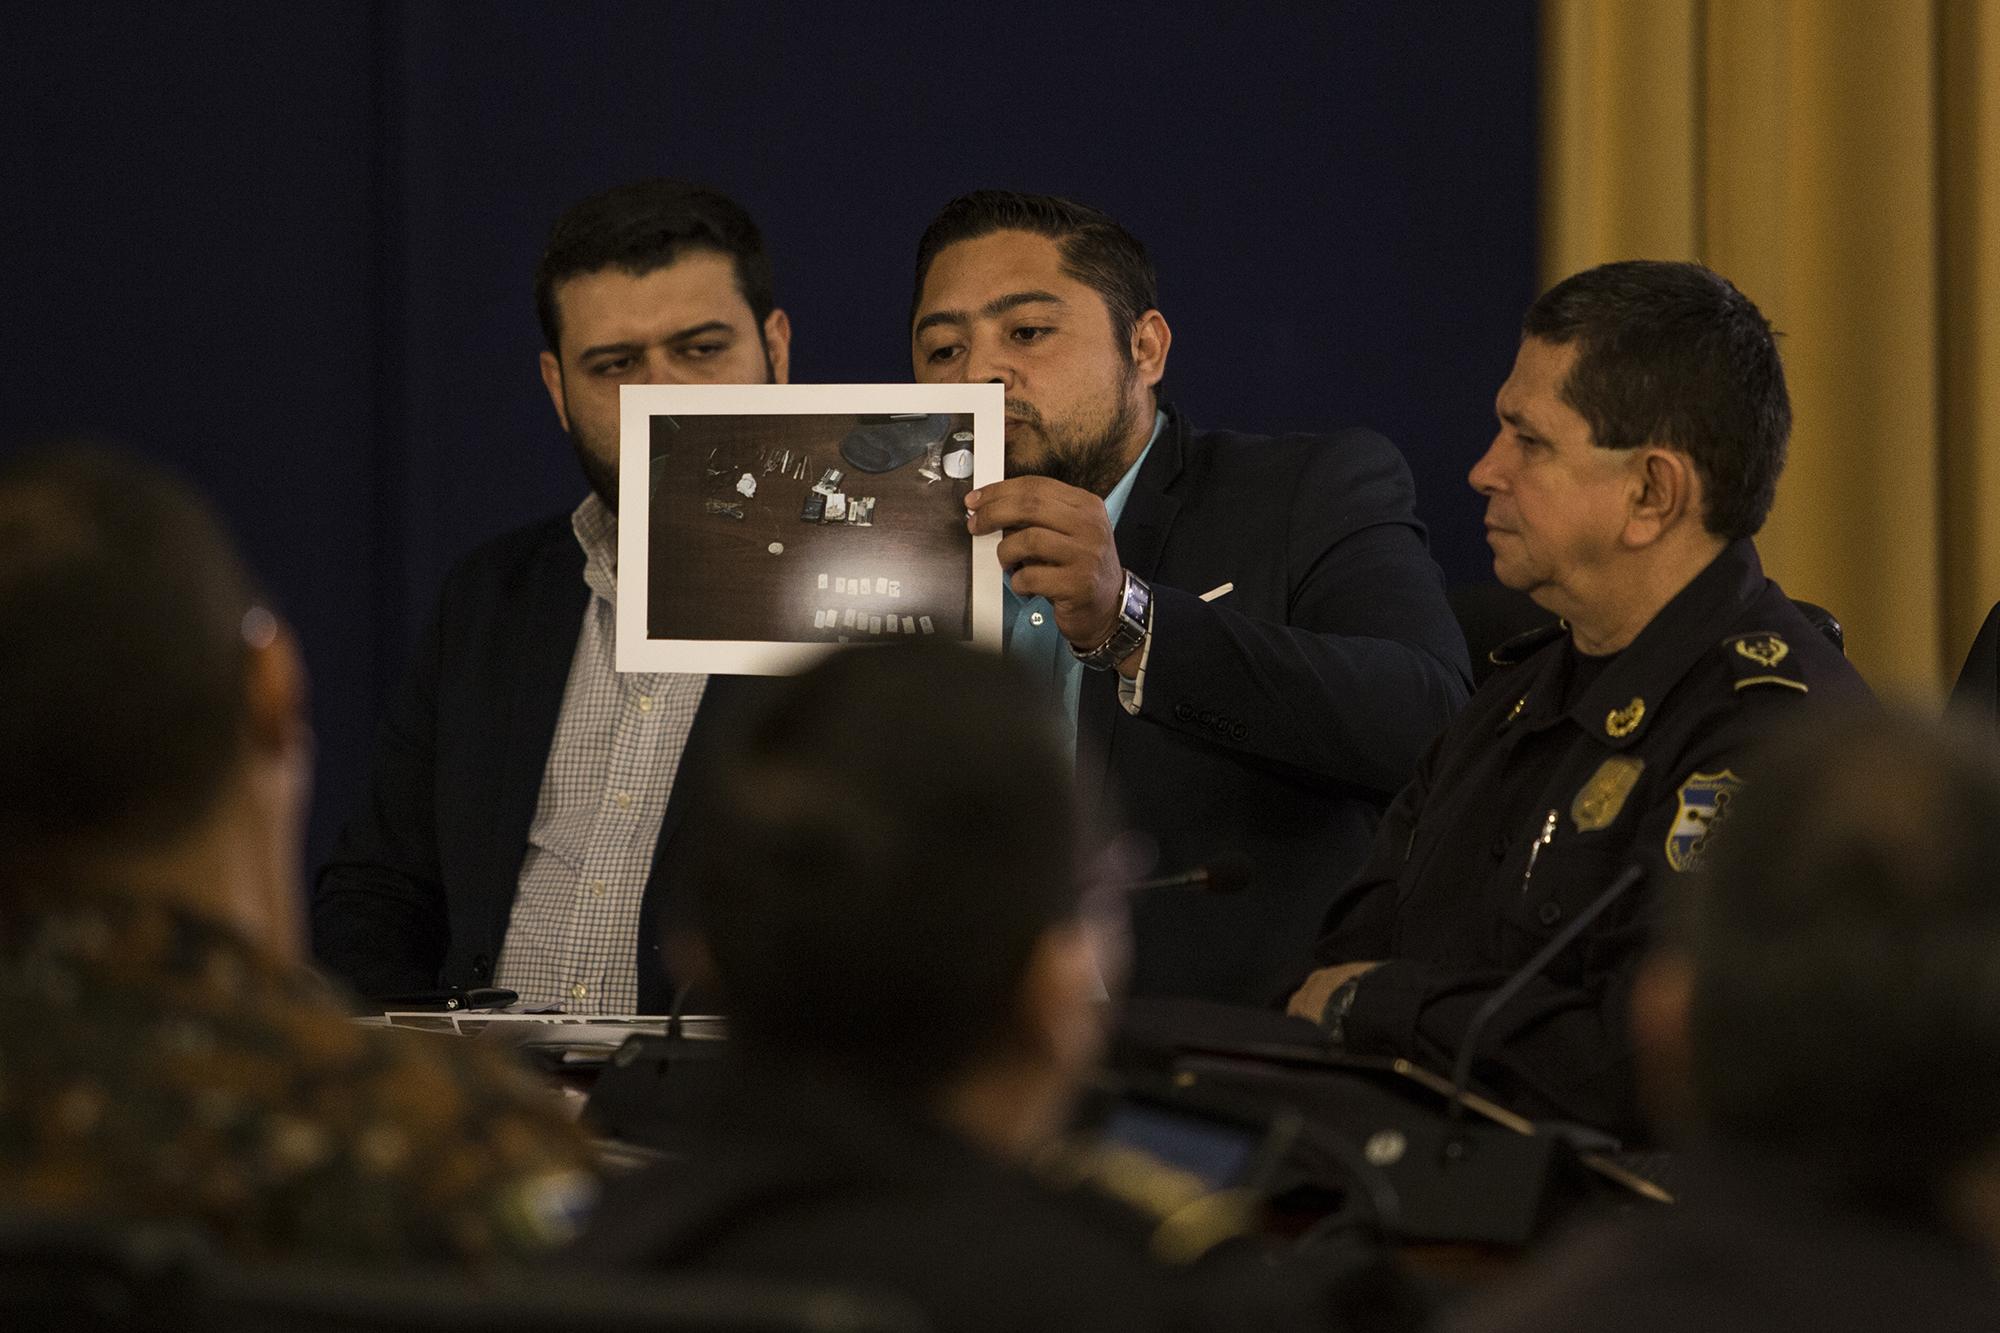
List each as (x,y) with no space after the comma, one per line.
(1461,1069)
(1228,873)
(681,994)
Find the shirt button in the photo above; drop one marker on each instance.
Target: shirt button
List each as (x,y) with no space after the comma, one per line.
(1034,617)
(597,888)
(579,991)
(645,703)
(624,799)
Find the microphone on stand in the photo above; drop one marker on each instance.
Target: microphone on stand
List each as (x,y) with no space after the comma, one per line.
(1461,1070)
(1227,873)
(681,994)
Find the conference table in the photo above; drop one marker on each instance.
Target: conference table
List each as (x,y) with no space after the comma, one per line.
(1461,1187)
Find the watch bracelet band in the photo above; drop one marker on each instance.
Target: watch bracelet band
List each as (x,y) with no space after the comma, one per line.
(1126,634)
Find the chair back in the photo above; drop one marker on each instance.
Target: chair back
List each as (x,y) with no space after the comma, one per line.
(1489,614)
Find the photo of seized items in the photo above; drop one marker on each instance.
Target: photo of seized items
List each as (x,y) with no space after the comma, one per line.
(745,480)
(863,620)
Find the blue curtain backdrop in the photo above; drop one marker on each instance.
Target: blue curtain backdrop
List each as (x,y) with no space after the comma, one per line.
(287,248)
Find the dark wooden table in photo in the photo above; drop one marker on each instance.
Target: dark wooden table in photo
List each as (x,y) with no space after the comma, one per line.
(713,576)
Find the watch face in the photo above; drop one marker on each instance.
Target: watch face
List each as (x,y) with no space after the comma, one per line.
(1137,597)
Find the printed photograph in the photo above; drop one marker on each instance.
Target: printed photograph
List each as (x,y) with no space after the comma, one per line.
(771,532)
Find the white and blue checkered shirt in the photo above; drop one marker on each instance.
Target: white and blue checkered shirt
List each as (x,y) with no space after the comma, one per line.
(573,936)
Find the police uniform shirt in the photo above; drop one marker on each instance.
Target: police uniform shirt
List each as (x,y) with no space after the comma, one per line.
(1533,801)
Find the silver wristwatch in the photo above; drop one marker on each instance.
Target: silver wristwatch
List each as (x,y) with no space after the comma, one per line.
(1333,1017)
(1135,617)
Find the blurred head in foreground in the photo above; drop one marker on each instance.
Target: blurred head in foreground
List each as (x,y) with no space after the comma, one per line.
(1830,998)
(183,1065)
(152,720)
(894,894)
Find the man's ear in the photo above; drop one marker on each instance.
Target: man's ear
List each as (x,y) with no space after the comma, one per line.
(275,692)
(778,345)
(552,380)
(1666,491)
(1150,340)
(1662,1044)
(264,896)
(1062,1017)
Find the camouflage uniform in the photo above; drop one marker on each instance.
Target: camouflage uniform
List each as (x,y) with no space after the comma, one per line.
(156,1066)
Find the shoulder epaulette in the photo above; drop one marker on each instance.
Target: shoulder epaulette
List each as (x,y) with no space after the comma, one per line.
(1523,646)
(1187,1216)
(1762,659)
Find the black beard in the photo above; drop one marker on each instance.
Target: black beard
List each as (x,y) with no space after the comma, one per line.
(603,478)
(1092,462)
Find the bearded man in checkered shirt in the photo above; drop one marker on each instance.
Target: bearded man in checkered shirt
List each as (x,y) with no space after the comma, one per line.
(524,816)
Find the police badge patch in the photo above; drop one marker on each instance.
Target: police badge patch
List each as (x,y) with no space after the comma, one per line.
(1704,804)
(1599,800)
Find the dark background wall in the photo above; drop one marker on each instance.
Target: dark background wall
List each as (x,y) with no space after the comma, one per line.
(287,248)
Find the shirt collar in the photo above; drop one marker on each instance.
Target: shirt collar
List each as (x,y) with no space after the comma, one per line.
(596,527)
(1114,503)
(1625,699)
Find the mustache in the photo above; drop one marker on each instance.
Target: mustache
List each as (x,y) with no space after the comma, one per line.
(1026,413)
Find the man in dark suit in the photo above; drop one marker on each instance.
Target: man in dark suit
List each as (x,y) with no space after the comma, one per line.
(525,810)
(1252,640)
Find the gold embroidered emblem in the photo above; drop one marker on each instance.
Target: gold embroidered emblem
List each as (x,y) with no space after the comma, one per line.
(1515,711)
(1621,722)
(1599,800)
(1766,652)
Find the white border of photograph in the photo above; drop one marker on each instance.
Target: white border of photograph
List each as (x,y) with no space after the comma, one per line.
(638,404)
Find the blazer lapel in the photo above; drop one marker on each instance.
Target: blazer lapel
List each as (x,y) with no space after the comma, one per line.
(1150,509)
(726,705)
(1142,539)
(536,657)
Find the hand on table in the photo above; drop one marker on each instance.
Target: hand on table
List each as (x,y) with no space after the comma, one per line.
(1309,1001)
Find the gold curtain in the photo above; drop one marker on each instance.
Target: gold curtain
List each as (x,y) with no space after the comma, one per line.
(1839,160)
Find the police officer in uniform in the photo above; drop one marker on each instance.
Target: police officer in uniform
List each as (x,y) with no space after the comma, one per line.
(1641,436)
(1819,1028)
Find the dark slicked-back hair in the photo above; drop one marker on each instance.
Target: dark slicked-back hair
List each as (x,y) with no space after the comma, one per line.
(1846,947)
(122,658)
(881,853)
(646,226)
(1095,250)
(1671,353)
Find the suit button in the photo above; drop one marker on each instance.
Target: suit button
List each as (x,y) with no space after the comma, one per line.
(1184,712)
(482,967)
(1549,913)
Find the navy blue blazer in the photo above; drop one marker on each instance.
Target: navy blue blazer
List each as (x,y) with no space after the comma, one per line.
(1279,719)
(421,884)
